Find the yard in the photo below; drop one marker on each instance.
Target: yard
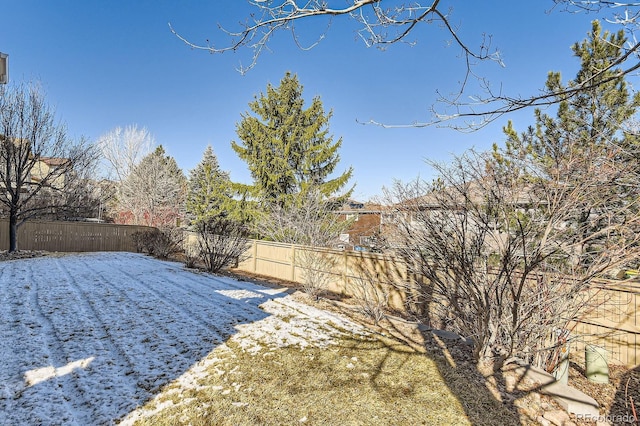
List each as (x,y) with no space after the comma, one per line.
(117,337)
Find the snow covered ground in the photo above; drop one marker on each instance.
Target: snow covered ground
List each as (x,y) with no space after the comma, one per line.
(86,339)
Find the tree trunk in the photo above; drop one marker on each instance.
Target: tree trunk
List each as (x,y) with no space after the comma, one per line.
(13,231)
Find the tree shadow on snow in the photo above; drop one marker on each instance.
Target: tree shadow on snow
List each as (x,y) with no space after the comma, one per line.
(94,336)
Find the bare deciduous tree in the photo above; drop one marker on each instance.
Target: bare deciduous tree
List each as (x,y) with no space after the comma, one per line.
(506,257)
(310,221)
(43,172)
(123,149)
(382,23)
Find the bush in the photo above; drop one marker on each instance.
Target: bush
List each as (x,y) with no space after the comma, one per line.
(371,296)
(222,243)
(190,261)
(143,240)
(160,243)
(316,267)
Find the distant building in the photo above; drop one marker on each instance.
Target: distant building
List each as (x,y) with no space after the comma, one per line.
(47,167)
(363,234)
(45,171)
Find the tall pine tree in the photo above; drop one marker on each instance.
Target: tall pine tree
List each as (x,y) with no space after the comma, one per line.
(288,148)
(586,137)
(210,191)
(590,122)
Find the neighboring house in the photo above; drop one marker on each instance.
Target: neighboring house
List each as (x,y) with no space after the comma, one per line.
(364,231)
(443,207)
(47,167)
(49,185)
(55,198)
(51,170)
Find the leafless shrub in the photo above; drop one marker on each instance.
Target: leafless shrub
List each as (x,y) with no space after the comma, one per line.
(371,296)
(506,253)
(143,240)
(160,243)
(221,242)
(316,267)
(168,241)
(310,221)
(190,261)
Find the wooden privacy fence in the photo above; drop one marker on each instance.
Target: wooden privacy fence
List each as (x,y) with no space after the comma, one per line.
(614,325)
(348,273)
(71,236)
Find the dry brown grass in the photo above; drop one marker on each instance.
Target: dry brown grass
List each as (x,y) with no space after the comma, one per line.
(359,381)
(397,376)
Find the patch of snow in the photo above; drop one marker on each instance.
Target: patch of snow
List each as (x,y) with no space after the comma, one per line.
(88,338)
(33,377)
(240,294)
(293,324)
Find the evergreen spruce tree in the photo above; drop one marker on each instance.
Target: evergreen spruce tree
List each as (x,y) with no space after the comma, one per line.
(590,122)
(586,134)
(288,148)
(210,191)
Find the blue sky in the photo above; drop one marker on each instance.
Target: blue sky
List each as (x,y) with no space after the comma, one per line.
(114,63)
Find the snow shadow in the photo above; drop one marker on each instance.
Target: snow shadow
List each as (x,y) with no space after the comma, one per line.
(85,339)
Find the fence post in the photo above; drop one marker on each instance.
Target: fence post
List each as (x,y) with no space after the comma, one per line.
(255,256)
(293,262)
(345,273)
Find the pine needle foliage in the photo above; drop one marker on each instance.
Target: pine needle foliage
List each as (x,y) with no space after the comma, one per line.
(288,147)
(210,190)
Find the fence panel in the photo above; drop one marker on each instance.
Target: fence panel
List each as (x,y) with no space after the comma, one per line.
(71,236)
(614,325)
(347,270)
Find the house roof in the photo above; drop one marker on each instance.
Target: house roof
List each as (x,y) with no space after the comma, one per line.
(352,206)
(476,191)
(53,161)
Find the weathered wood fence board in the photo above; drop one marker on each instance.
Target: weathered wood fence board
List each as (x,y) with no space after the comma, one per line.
(348,271)
(71,236)
(615,325)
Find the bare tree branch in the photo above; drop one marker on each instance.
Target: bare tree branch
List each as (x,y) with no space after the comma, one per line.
(380,25)
(42,170)
(386,22)
(123,149)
